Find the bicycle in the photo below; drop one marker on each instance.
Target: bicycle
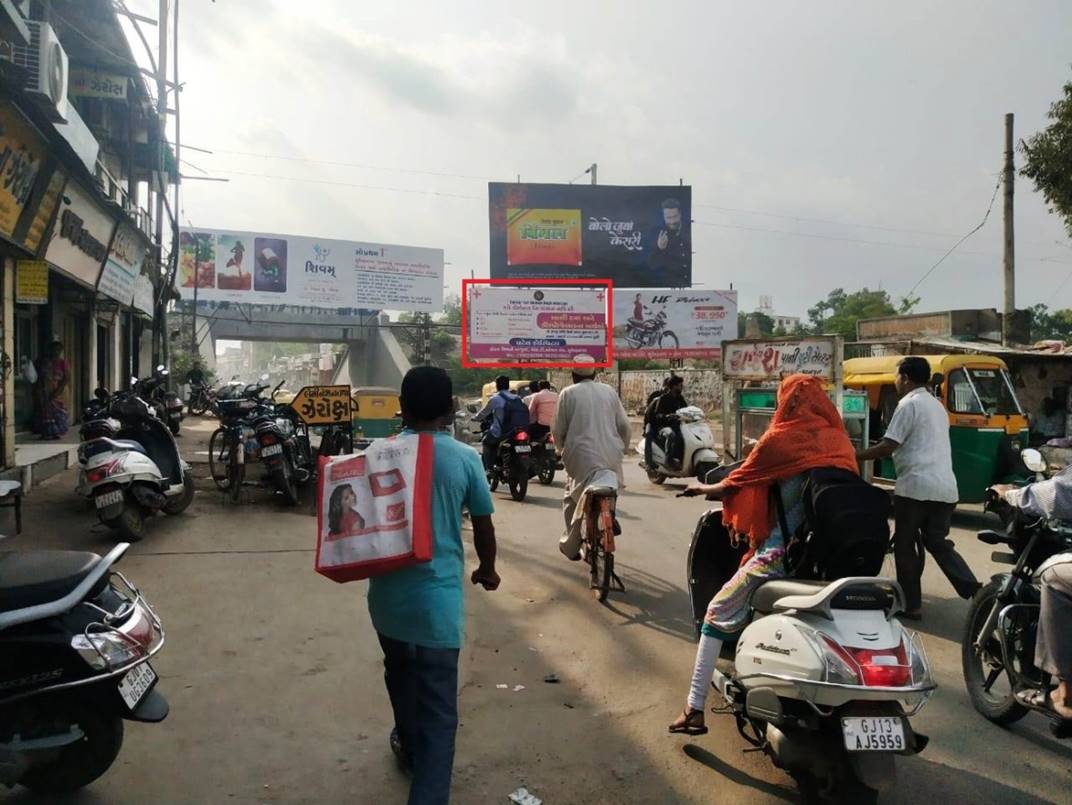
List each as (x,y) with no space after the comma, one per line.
(600,529)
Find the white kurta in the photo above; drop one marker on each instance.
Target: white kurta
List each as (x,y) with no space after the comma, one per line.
(592,431)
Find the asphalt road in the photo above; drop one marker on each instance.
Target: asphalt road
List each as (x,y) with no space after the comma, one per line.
(274,674)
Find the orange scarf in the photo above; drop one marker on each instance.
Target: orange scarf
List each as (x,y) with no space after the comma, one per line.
(806,433)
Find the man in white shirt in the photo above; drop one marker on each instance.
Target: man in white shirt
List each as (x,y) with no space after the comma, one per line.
(926,491)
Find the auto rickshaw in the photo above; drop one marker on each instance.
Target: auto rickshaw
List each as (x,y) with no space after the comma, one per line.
(516,386)
(377,412)
(987,425)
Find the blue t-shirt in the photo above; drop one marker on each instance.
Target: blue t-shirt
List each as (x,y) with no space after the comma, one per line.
(423,603)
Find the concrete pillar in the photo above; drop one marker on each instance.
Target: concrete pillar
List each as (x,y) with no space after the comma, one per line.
(92,347)
(9,349)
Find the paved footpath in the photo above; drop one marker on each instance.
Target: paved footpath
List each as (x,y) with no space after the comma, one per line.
(275,680)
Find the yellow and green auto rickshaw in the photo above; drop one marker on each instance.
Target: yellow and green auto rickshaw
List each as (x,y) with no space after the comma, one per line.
(377,412)
(516,386)
(987,425)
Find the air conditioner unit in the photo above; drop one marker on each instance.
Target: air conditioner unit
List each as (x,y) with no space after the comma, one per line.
(45,63)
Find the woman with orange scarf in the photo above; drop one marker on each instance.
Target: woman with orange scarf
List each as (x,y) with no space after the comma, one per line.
(806,433)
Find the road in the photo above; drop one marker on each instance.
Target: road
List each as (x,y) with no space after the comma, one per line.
(275,680)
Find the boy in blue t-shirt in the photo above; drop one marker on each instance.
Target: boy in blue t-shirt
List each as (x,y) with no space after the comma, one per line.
(418,611)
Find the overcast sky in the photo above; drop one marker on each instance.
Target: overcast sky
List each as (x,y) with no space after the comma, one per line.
(827,143)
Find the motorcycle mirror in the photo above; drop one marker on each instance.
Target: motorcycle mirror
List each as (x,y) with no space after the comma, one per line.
(160,367)
(1033,460)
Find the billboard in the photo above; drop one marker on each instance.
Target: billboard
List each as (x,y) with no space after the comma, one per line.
(664,324)
(637,237)
(268,269)
(125,258)
(545,323)
(770,360)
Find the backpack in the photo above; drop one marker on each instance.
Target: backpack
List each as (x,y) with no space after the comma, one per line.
(515,414)
(846,529)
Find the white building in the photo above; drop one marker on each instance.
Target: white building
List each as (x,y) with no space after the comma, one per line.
(786,323)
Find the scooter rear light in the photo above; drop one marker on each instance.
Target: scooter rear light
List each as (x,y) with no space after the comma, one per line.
(521,436)
(98,474)
(267,438)
(106,651)
(884,667)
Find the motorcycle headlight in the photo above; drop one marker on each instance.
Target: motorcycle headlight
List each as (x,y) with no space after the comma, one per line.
(105,651)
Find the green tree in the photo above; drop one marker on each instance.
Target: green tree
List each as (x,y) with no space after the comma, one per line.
(1047,325)
(1048,157)
(766,324)
(839,312)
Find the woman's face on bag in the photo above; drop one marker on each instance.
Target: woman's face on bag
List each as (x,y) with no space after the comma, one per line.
(349,499)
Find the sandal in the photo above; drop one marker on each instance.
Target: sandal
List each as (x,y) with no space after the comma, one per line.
(689,723)
(1041,700)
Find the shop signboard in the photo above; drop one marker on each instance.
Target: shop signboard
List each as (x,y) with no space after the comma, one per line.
(125,258)
(22,158)
(80,237)
(637,237)
(86,82)
(31,282)
(271,269)
(773,359)
(673,324)
(534,324)
(143,294)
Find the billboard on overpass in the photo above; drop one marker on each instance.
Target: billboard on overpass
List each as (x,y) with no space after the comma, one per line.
(217,265)
(636,237)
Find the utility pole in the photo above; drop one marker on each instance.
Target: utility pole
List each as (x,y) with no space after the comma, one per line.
(592,170)
(159,334)
(1010,251)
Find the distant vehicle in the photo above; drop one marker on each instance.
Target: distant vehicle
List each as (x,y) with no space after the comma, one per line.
(466,428)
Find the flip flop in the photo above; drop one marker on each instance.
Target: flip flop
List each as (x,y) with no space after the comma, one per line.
(692,725)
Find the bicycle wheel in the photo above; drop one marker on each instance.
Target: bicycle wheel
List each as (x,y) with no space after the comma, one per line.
(218,452)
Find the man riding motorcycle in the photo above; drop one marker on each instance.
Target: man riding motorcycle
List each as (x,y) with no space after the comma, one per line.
(592,431)
(504,413)
(662,415)
(1053,646)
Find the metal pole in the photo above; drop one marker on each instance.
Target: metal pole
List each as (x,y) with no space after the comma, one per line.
(1010,251)
(592,170)
(161,188)
(197,270)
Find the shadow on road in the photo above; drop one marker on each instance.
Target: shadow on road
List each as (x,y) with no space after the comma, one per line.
(655,603)
(737,776)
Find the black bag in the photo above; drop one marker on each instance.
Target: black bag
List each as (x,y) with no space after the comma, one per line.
(515,414)
(846,529)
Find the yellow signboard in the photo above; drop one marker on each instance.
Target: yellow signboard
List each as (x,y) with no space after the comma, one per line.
(31,282)
(323,405)
(22,153)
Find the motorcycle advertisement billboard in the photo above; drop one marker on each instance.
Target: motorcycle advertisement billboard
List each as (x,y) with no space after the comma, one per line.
(664,324)
(636,237)
(217,265)
(542,324)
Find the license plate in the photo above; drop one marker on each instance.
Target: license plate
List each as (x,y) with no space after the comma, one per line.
(522,448)
(108,499)
(271,450)
(134,686)
(880,734)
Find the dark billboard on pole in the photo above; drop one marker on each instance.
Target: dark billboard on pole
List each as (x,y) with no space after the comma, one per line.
(637,237)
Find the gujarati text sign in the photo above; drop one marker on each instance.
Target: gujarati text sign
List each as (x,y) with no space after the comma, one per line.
(771,360)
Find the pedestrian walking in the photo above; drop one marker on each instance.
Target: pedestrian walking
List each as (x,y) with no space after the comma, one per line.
(926,493)
(418,611)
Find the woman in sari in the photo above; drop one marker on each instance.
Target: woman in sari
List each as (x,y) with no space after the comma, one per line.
(50,414)
(806,433)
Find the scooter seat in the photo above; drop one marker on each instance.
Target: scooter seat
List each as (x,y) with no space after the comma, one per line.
(768,594)
(29,578)
(130,444)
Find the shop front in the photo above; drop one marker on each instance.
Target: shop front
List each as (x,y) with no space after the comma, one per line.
(119,289)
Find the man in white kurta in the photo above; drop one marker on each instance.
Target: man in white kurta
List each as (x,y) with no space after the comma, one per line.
(592,431)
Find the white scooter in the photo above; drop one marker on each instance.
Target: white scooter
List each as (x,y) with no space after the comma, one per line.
(135,474)
(698,456)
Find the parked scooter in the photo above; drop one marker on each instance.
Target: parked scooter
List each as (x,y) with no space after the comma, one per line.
(824,678)
(698,449)
(998,648)
(167,404)
(75,642)
(136,473)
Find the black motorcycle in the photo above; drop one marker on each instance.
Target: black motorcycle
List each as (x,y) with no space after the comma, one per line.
(167,404)
(75,642)
(513,465)
(200,399)
(998,648)
(544,460)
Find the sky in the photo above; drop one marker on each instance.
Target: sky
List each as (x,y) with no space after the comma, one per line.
(828,144)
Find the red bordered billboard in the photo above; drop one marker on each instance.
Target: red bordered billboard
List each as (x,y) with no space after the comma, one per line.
(532,324)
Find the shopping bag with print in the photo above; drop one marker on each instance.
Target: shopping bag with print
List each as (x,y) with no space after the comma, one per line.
(374,508)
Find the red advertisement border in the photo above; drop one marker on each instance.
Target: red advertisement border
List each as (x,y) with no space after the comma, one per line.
(513,283)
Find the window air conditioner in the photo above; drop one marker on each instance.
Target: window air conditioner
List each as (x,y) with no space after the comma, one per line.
(45,63)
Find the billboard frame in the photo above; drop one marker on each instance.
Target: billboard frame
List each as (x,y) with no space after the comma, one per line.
(574,283)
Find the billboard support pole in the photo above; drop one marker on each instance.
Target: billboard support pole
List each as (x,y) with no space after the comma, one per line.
(592,170)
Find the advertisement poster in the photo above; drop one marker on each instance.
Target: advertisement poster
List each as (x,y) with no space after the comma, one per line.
(143,294)
(664,324)
(31,282)
(533,324)
(123,265)
(637,237)
(22,152)
(268,269)
(770,360)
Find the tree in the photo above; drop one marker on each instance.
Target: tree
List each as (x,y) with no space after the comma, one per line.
(839,312)
(766,324)
(1048,157)
(1046,325)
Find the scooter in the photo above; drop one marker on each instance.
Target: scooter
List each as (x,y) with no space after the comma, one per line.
(75,642)
(136,474)
(824,679)
(698,455)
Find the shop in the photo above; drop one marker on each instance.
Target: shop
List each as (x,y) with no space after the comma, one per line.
(121,286)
